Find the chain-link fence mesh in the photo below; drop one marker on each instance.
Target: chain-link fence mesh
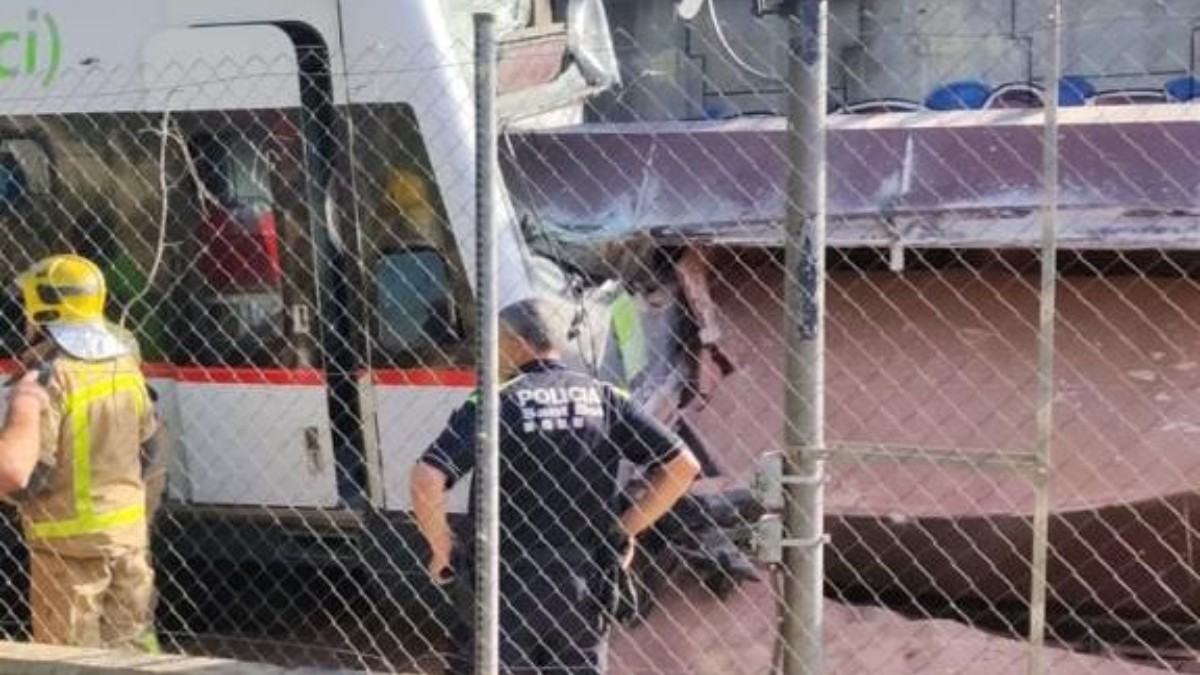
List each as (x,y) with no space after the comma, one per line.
(935,170)
(288,230)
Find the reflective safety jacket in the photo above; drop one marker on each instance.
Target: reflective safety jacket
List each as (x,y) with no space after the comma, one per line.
(94,502)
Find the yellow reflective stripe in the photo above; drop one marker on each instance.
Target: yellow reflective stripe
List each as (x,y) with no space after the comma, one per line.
(129,515)
(81,458)
(474,397)
(148,642)
(78,404)
(628,330)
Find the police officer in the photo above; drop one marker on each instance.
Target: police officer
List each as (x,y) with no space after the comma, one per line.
(83,502)
(563,435)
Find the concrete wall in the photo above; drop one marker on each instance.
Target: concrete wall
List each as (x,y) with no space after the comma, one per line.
(661,81)
(906,48)
(1122,43)
(889,49)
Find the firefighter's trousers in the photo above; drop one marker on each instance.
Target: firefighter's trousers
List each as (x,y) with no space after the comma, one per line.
(101,601)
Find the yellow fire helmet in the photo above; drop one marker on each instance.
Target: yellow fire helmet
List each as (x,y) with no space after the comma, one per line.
(65,294)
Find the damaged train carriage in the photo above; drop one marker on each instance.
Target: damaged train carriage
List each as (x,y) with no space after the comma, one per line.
(931,337)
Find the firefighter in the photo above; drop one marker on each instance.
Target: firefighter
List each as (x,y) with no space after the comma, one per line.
(563,542)
(83,504)
(156,450)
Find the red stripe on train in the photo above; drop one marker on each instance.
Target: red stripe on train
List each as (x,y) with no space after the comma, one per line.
(304,377)
(424,377)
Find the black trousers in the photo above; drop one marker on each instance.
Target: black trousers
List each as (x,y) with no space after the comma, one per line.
(550,622)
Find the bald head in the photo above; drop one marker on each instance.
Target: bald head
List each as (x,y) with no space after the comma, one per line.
(530,330)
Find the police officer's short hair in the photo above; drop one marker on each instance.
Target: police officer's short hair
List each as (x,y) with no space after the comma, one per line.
(537,321)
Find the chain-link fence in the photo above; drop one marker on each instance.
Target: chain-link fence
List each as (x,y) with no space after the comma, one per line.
(287,226)
(935,202)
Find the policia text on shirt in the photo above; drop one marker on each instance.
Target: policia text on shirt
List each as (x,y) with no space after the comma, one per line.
(563,435)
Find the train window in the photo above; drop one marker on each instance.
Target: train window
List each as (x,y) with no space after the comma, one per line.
(236,263)
(26,167)
(14,183)
(25,194)
(236,301)
(419,298)
(83,184)
(25,161)
(239,252)
(416,310)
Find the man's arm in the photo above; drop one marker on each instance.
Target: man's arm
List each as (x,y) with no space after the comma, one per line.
(646,442)
(448,459)
(667,484)
(428,486)
(20,439)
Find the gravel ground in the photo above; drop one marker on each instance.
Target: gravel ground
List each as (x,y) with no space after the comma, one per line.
(689,633)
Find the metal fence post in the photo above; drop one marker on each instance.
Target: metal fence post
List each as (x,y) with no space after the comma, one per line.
(804,433)
(487,525)
(1045,364)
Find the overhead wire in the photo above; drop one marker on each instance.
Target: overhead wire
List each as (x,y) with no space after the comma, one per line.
(728,47)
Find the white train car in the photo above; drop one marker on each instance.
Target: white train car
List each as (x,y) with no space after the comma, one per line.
(291,184)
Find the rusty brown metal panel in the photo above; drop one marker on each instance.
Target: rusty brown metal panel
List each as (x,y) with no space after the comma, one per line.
(946,359)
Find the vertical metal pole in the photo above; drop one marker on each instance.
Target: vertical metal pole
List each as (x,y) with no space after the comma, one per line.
(1045,364)
(804,431)
(487,460)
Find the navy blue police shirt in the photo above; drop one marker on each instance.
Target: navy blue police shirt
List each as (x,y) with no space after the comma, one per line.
(563,435)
